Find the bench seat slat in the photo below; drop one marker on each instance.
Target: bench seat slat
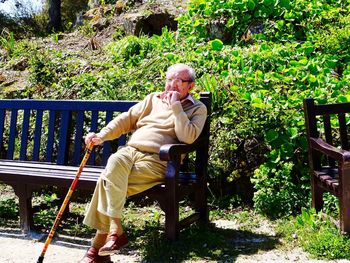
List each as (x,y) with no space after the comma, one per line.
(41,165)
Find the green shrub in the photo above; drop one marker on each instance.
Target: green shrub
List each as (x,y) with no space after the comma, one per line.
(234,21)
(317,235)
(9,209)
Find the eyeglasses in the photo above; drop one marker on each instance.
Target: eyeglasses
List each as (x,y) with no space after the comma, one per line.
(178,81)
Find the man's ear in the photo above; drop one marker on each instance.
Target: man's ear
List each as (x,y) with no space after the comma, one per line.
(191,86)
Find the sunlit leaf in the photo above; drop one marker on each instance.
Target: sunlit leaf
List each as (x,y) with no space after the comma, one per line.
(216,44)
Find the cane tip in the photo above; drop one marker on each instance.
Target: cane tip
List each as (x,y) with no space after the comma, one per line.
(40,259)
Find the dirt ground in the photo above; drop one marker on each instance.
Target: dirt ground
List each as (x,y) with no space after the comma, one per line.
(15,248)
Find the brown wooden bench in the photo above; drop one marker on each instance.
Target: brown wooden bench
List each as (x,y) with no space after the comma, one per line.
(41,143)
(329,155)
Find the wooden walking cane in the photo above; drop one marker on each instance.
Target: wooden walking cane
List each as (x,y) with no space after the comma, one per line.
(65,202)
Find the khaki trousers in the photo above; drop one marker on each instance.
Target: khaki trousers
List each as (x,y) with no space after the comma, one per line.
(128,172)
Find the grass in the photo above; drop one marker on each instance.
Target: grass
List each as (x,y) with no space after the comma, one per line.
(317,234)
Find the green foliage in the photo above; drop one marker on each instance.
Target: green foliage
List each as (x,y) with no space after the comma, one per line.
(7,41)
(9,209)
(233,21)
(46,217)
(317,235)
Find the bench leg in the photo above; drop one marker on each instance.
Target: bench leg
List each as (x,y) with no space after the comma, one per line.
(317,195)
(24,194)
(172,220)
(344,202)
(201,203)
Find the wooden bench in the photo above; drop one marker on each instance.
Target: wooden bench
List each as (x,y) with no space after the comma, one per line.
(329,155)
(42,143)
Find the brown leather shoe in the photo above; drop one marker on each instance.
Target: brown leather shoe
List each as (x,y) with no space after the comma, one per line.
(113,244)
(92,256)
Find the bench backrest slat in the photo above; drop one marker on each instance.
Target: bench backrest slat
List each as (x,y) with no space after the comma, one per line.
(328,134)
(24,136)
(50,136)
(2,128)
(37,135)
(343,132)
(12,135)
(107,145)
(79,134)
(63,137)
(93,128)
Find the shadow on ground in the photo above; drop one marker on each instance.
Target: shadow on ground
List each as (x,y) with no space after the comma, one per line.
(195,243)
(200,242)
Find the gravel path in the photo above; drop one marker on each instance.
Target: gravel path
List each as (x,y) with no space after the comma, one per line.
(17,249)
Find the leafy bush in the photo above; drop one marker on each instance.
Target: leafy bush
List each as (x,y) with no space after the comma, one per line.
(234,21)
(317,235)
(9,209)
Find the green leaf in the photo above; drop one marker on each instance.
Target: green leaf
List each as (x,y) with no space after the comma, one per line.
(285,3)
(271,135)
(342,98)
(251,5)
(293,132)
(170,56)
(312,78)
(258,103)
(216,45)
(269,2)
(235,53)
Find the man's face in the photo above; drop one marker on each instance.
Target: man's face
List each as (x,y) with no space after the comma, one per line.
(178,80)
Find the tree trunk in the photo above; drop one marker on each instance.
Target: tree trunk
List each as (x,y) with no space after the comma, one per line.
(55,23)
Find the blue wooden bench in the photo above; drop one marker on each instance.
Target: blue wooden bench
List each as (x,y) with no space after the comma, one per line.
(42,143)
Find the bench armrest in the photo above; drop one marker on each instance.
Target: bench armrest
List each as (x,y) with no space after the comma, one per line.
(329,150)
(170,151)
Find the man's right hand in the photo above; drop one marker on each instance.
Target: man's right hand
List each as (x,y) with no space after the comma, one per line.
(93,137)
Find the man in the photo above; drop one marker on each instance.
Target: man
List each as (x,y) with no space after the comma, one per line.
(161,118)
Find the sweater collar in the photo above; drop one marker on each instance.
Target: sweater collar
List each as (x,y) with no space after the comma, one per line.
(189,98)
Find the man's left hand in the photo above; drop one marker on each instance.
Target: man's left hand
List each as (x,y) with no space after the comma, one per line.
(171,97)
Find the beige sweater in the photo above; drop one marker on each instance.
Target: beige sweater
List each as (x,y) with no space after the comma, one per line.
(156,123)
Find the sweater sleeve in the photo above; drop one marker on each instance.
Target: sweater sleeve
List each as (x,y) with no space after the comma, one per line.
(188,129)
(126,121)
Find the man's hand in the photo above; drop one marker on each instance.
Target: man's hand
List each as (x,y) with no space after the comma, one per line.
(170,96)
(93,137)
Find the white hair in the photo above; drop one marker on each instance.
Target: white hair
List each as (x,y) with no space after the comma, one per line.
(180,67)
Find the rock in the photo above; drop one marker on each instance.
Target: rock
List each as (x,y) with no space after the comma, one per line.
(119,7)
(20,64)
(148,24)
(100,23)
(2,78)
